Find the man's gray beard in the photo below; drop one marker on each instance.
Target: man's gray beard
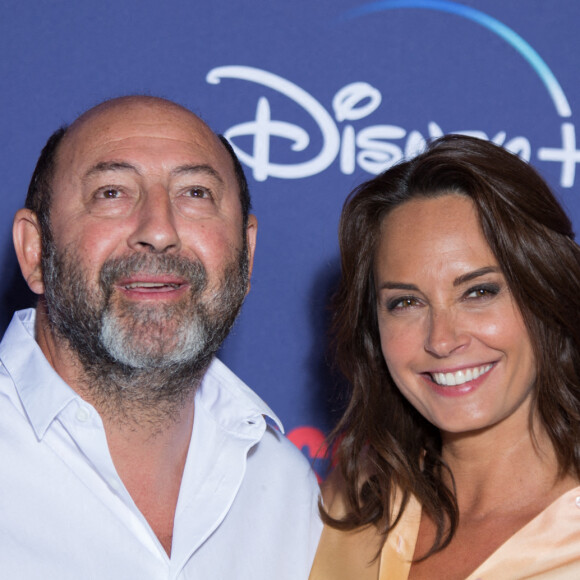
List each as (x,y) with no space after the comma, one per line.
(140,361)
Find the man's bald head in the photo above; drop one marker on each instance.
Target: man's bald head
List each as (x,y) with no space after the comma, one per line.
(38,198)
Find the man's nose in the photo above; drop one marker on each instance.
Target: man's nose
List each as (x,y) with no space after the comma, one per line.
(156,229)
(444,335)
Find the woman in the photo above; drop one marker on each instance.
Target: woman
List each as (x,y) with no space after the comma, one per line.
(457,324)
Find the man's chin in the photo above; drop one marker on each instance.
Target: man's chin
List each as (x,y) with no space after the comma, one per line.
(151,341)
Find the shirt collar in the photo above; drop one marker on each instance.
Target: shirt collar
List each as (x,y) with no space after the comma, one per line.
(230,400)
(42,391)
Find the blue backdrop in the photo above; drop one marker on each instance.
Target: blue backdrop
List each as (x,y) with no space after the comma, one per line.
(316,97)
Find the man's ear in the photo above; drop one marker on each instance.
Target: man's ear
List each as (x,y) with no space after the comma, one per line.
(251,233)
(28,244)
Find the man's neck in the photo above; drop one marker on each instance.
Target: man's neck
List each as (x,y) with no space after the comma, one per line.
(151,466)
(148,442)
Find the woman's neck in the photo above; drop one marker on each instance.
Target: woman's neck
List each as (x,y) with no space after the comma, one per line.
(504,465)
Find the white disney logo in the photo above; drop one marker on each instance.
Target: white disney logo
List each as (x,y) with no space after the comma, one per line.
(372,148)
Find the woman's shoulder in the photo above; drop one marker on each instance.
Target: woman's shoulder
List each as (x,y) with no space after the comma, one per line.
(343,555)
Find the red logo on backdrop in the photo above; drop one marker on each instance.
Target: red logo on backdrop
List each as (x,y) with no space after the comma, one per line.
(312,443)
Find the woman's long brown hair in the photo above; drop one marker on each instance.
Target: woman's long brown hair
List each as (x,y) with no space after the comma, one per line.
(382,443)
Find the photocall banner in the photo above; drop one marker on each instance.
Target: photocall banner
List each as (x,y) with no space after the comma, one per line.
(315,97)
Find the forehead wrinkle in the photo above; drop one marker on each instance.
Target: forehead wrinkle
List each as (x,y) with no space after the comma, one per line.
(106,166)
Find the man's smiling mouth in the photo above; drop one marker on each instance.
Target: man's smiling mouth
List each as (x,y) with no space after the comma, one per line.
(152,285)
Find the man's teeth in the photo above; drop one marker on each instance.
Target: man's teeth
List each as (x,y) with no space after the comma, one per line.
(149,285)
(459,377)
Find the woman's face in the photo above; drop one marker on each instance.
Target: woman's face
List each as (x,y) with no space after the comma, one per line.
(452,336)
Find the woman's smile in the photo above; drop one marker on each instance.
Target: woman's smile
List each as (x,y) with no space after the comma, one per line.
(451,333)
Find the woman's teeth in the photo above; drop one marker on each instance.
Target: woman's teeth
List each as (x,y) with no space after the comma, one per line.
(459,377)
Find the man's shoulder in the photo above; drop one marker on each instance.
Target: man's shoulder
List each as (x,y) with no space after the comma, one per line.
(284,450)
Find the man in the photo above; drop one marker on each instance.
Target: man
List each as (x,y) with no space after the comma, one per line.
(128,451)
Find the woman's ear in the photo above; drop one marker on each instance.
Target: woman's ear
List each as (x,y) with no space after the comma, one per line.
(28,245)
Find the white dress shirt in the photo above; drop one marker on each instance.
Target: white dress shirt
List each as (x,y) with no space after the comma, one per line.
(247,506)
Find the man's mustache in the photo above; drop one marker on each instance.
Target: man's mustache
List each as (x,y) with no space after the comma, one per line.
(114,269)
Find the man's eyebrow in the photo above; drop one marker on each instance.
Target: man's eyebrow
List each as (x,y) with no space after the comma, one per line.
(475,274)
(105,166)
(192,169)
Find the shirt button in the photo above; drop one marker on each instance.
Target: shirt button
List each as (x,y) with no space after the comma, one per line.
(82,414)
(578,501)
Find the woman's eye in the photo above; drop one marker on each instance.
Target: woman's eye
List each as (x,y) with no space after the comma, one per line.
(402,303)
(486,291)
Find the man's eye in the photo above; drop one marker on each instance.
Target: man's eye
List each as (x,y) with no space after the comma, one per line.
(198,192)
(109,193)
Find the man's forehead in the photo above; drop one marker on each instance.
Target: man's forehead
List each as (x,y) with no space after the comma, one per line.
(131,118)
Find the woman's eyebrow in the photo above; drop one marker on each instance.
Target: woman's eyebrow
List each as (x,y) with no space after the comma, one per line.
(475,274)
(397,286)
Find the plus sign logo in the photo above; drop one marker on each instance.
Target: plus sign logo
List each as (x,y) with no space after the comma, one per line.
(567,155)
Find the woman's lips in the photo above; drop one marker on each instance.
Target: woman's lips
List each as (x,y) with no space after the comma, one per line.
(459,382)
(461,376)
